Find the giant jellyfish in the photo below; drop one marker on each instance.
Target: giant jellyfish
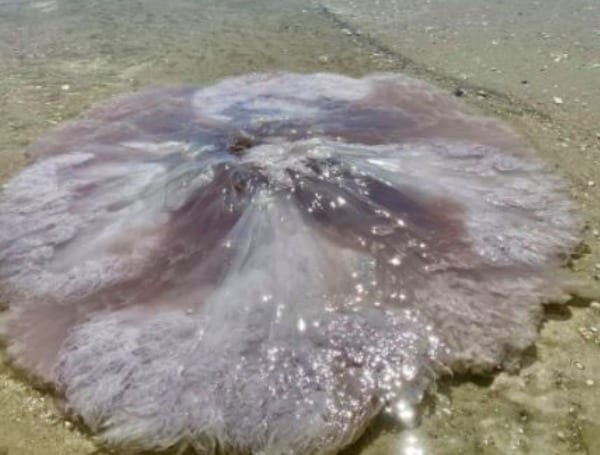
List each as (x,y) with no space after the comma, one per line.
(266,264)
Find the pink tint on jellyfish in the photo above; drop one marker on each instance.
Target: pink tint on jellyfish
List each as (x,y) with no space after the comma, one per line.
(267,263)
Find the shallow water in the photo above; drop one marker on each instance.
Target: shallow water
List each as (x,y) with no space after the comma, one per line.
(58,57)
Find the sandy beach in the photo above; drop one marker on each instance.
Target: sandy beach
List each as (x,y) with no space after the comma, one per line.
(535,64)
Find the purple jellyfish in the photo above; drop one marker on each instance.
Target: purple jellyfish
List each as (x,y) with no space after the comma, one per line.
(266,264)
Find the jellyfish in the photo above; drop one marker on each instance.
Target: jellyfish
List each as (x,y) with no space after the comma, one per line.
(266,264)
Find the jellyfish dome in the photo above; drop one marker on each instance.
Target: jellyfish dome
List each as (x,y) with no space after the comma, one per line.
(265,264)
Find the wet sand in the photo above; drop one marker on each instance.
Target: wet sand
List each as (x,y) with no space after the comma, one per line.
(59,57)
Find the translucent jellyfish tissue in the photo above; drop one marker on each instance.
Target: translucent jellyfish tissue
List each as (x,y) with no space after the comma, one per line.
(265,264)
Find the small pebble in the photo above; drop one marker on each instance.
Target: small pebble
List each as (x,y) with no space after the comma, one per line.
(589,382)
(459,92)
(488,441)
(65,87)
(347,31)
(579,365)
(561,435)
(558,100)
(324,59)
(447,411)
(585,333)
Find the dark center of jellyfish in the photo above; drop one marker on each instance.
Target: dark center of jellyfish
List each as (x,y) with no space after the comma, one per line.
(287,131)
(240,143)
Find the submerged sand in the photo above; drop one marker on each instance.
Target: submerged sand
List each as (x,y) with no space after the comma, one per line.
(531,63)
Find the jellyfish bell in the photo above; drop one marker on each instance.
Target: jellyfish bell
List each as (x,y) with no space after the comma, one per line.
(268,263)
